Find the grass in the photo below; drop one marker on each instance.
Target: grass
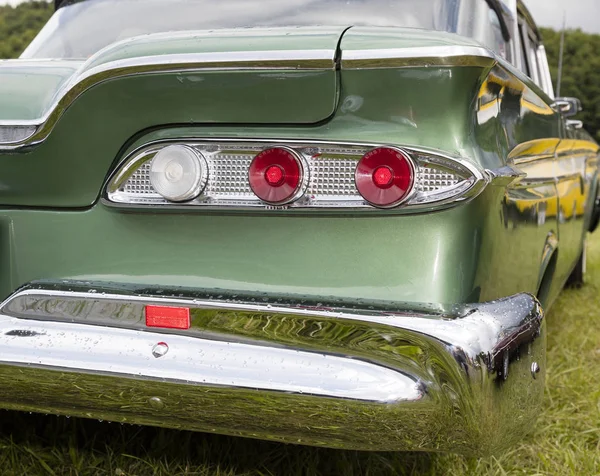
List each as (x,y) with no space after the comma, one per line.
(565,441)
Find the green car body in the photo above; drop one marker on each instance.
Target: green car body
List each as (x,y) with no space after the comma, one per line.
(435,303)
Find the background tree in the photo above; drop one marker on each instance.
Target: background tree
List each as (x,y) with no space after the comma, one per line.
(581,66)
(18,25)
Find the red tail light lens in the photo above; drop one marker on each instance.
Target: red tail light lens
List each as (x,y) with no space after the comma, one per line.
(385,176)
(276,176)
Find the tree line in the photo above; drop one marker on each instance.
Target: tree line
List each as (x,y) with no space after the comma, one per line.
(581,66)
(20,24)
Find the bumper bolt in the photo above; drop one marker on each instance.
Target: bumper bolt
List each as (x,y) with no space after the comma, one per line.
(160,349)
(535,369)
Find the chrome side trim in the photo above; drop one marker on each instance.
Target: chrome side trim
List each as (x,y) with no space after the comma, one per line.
(550,246)
(90,75)
(418,56)
(393,376)
(505,175)
(86,78)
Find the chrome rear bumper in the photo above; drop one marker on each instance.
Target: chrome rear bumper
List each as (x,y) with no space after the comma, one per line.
(383,377)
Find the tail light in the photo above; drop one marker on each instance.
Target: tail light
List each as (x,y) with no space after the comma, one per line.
(178,173)
(385,176)
(259,174)
(277,176)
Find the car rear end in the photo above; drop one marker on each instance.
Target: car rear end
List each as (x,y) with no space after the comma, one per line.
(247,232)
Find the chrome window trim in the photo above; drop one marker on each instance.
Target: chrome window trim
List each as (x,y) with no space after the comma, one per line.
(532,57)
(463,192)
(548,87)
(533,49)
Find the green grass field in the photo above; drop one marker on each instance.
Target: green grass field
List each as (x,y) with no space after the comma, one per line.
(565,441)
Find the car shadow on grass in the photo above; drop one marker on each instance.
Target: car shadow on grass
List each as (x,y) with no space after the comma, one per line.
(38,444)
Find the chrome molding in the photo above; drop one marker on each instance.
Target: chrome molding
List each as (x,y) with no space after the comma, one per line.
(546,78)
(472,180)
(550,246)
(89,76)
(505,175)
(385,376)
(418,56)
(93,72)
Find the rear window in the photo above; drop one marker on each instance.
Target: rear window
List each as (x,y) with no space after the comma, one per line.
(81,28)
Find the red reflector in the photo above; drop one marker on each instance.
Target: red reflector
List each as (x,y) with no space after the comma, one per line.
(276,176)
(168,317)
(385,176)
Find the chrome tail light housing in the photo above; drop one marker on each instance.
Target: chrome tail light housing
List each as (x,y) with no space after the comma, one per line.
(294,175)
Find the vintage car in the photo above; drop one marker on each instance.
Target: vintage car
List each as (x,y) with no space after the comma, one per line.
(334,223)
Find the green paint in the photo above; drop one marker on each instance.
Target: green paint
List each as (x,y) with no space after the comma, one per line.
(488,248)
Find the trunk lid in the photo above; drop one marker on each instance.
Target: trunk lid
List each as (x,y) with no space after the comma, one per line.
(28,87)
(255,75)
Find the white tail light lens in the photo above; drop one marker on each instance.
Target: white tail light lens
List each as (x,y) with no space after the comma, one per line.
(178,173)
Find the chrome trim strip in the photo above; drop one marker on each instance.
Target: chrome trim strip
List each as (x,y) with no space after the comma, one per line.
(391,377)
(463,192)
(505,175)
(418,56)
(550,246)
(89,75)
(85,79)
